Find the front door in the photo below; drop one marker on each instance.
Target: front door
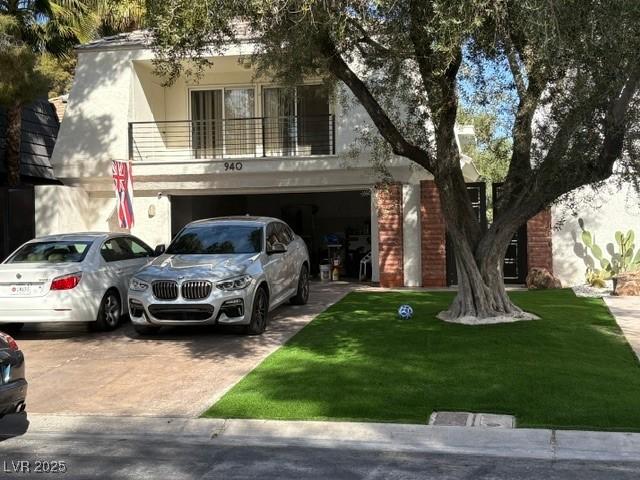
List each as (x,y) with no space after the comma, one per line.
(514,268)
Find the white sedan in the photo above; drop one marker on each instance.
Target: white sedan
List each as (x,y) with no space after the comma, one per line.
(80,277)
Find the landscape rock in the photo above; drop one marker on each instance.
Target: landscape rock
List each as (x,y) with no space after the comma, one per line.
(628,284)
(542,278)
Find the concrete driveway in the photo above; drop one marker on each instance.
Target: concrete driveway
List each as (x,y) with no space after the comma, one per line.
(179,373)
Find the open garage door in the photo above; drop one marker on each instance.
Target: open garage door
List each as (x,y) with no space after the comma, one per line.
(333,224)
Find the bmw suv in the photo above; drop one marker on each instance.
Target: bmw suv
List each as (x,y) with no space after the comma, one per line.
(228,271)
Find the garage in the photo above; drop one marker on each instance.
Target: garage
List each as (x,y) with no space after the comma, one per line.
(336,226)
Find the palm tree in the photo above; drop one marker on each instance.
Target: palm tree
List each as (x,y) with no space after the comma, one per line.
(33,28)
(117,16)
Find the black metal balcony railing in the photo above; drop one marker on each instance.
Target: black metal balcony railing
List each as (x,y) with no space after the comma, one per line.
(291,136)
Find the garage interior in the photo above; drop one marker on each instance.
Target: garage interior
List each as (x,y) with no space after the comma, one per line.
(333,224)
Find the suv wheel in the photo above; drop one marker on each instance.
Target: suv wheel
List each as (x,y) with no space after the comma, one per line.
(302,295)
(259,313)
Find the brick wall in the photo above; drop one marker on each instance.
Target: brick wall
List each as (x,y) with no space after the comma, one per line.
(390,223)
(539,251)
(434,257)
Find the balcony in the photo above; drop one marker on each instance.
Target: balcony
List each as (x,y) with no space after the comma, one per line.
(290,136)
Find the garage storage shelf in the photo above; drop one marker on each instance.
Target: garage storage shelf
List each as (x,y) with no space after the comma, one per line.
(290,136)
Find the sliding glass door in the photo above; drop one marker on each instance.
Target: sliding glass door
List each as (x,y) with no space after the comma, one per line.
(240,124)
(297,121)
(279,121)
(314,128)
(224,122)
(206,117)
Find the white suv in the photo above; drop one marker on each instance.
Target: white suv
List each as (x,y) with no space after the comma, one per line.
(229,270)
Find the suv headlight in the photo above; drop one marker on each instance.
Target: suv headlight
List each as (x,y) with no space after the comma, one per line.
(235,283)
(138,285)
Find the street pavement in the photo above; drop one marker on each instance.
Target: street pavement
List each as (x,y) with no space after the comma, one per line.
(181,448)
(95,456)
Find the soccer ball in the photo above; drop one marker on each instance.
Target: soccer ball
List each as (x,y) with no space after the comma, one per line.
(405,312)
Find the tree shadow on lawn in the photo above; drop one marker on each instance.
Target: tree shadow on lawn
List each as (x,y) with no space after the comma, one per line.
(359,361)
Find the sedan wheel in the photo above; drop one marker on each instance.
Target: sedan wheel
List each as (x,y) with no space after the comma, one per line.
(259,313)
(109,313)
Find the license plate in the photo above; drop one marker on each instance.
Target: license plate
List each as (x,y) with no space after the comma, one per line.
(20,290)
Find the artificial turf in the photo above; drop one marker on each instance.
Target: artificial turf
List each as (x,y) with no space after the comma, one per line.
(359,361)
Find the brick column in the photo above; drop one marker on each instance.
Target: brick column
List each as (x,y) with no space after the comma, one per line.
(539,250)
(433,244)
(390,220)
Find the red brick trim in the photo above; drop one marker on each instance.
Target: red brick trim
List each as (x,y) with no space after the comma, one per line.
(433,242)
(539,241)
(390,226)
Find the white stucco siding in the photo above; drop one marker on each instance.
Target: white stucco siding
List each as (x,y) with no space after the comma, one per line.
(153,220)
(411,235)
(60,209)
(152,217)
(149,95)
(94,130)
(603,213)
(375,247)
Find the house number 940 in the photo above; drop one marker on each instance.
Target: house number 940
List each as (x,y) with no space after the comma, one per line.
(232,166)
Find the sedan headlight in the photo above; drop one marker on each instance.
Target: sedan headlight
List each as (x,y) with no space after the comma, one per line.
(138,285)
(235,283)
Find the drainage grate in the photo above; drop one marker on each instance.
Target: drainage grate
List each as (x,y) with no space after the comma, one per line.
(467,419)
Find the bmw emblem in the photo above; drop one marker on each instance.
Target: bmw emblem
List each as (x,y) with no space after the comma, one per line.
(18,276)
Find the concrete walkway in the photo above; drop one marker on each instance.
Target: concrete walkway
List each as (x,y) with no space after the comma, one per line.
(515,443)
(626,311)
(178,373)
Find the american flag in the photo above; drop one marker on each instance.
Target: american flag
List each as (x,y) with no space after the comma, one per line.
(123,185)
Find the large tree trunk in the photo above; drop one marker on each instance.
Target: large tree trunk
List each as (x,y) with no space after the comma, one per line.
(481,296)
(12,150)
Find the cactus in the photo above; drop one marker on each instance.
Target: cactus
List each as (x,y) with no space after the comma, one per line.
(597,278)
(622,260)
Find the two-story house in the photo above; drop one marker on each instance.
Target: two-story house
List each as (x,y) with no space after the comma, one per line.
(229,144)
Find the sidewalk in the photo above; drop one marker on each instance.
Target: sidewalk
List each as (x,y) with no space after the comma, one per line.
(513,443)
(626,311)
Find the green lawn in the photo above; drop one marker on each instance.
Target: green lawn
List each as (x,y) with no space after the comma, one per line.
(358,361)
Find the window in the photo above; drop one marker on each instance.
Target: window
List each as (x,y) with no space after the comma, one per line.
(297,121)
(217,239)
(137,248)
(206,116)
(284,234)
(116,250)
(279,121)
(272,235)
(51,252)
(224,122)
(312,104)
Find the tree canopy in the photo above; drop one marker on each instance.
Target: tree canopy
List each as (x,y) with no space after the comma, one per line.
(568,71)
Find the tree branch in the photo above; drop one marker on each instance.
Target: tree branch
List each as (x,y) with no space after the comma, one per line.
(367,39)
(399,144)
(614,123)
(514,66)
(520,164)
(554,179)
